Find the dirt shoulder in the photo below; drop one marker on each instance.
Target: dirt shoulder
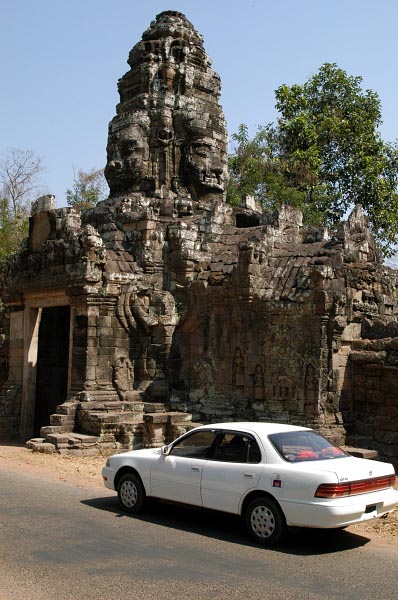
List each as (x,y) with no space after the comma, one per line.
(80,471)
(86,471)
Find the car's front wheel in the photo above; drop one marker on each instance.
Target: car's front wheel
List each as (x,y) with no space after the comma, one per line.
(131,493)
(265,521)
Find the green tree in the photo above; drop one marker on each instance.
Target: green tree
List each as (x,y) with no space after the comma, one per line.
(326,147)
(19,183)
(257,169)
(89,187)
(12,231)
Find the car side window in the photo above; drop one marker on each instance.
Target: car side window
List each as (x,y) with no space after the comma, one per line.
(196,445)
(238,448)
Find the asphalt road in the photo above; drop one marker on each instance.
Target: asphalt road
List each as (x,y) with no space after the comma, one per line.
(64,542)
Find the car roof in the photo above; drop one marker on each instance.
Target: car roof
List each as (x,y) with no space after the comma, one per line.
(256,427)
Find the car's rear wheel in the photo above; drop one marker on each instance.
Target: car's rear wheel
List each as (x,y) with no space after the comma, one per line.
(265,521)
(131,493)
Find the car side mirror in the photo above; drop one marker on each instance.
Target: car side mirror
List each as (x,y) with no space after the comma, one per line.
(165,450)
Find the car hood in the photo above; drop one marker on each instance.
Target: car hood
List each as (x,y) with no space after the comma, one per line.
(143,453)
(349,468)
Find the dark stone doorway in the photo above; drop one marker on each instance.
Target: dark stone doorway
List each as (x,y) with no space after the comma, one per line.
(52,363)
(242,220)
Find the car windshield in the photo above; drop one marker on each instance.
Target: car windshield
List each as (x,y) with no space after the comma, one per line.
(298,446)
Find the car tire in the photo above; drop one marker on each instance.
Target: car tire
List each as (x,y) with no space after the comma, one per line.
(265,521)
(131,493)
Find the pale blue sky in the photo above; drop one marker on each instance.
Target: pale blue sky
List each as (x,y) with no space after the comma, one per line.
(61,59)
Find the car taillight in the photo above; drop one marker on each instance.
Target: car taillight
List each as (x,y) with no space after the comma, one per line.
(339,490)
(332,490)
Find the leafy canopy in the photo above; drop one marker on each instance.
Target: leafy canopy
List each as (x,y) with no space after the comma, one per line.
(13,229)
(324,154)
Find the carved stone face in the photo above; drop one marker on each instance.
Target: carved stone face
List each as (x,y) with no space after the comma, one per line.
(205,165)
(127,157)
(169,133)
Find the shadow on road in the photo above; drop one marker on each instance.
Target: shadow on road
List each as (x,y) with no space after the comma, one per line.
(230,528)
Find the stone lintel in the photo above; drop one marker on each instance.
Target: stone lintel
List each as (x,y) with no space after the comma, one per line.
(168,417)
(378,358)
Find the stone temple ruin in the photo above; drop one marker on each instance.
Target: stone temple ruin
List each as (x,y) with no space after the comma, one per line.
(164,306)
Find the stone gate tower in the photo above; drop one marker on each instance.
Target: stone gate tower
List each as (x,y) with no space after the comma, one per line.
(163,303)
(168,139)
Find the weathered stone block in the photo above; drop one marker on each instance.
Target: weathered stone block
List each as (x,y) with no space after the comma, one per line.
(105,332)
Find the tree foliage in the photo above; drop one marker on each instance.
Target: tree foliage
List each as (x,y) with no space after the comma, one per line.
(258,169)
(89,187)
(12,231)
(19,183)
(324,154)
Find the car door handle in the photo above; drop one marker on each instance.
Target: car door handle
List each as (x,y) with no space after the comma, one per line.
(197,469)
(249,475)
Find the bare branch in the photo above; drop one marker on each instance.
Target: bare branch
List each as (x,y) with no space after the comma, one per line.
(19,177)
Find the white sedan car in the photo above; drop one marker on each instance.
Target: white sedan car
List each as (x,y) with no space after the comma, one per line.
(273,475)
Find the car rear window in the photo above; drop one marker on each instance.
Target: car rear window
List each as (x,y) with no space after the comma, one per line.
(298,446)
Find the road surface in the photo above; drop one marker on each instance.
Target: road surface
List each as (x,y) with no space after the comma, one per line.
(64,542)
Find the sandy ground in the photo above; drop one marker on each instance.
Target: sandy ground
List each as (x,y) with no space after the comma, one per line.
(79,471)
(86,471)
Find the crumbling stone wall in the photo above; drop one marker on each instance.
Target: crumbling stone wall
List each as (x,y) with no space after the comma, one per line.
(4,345)
(372,408)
